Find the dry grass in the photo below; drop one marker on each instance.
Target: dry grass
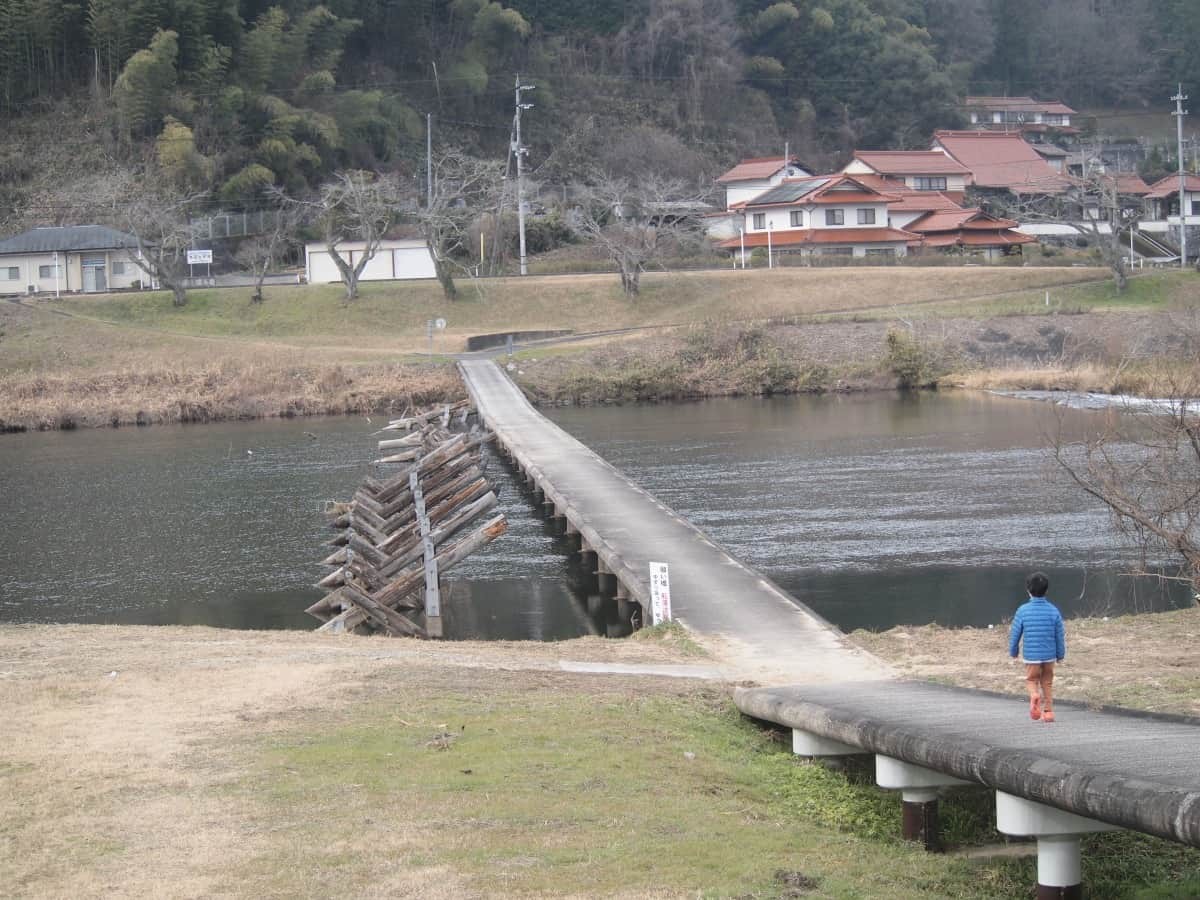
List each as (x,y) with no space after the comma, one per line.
(194,762)
(230,389)
(1149,661)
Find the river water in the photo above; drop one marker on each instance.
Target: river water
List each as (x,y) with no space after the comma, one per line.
(875,510)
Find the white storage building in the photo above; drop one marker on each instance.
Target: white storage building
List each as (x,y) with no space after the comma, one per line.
(395,259)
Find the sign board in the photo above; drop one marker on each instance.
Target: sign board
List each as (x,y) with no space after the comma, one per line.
(199,257)
(660,594)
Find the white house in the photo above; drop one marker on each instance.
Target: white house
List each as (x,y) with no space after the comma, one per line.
(826,215)
(1020,114)
(73,258)
(395,259)
(751,177)
(918,170)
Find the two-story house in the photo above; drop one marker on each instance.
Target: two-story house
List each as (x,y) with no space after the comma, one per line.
(826,215)
(925,171)
(1036,119)
(743,182)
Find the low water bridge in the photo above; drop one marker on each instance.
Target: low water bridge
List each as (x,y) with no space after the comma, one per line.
(1092,770)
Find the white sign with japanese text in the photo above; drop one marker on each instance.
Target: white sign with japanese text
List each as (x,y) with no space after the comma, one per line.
(660,593)
(199,257)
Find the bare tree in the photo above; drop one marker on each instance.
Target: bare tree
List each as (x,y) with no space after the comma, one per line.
(261,253)
(637,223)
(1144,465)
(160,222)
(464,189)
(354,206)
(1098,210)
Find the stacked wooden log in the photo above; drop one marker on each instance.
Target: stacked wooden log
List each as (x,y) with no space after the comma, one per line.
(401,532)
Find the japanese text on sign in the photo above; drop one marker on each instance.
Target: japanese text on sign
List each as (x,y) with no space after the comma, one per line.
(660,593)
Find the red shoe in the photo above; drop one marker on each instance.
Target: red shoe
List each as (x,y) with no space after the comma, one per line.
(1048,716)
(1035,708)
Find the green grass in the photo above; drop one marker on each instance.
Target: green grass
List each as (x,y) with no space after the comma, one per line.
(1154,291)
(567,792)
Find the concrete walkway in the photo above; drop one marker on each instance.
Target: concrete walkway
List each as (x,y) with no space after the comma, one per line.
(1132,769)
(758,631)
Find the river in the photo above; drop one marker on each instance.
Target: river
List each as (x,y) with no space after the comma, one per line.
(874,509)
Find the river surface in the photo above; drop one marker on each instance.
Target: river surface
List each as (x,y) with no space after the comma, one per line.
(875,510)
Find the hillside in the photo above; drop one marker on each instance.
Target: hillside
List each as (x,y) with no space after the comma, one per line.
(228,100)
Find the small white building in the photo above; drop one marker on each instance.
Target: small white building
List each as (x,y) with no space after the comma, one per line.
(395,259)
(74,258)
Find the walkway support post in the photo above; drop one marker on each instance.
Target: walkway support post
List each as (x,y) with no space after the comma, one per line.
(1057,832)
(918,788)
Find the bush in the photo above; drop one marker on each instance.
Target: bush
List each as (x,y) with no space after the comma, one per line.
(913,363)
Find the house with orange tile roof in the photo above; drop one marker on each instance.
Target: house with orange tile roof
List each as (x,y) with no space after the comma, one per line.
(751,177)
(920,170)
(970,231)
(1002,162)
(825,215)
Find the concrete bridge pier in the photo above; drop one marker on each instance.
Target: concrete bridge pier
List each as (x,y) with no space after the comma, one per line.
(1059,857)
(918,788)
(808,743)
(605,579)
(627,608)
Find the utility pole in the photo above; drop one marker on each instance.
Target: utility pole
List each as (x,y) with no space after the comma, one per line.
(519,152)
(428,162)
(1179,113)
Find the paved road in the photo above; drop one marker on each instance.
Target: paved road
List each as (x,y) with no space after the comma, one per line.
(1137,770)
(758,629)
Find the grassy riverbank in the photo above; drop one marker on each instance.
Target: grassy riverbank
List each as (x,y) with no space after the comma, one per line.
(91,361)
(195,762)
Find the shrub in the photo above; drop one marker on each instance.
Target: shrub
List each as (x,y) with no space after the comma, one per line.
(913,363)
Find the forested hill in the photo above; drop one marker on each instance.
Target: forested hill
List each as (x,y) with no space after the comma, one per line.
(234,95)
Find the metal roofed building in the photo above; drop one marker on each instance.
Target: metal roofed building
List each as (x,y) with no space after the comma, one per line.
(72,258)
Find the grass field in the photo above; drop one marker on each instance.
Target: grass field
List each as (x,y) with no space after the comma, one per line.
(392,317)
(126,358)
(195,762)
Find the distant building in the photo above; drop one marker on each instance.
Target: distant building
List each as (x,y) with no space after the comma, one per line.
(73,258)
(1021,115)
(919,170)
(826,215)
(396,259)
(1001,161)
(751,177)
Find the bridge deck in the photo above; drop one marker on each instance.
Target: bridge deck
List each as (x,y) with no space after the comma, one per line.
(711,592)
(1136,770)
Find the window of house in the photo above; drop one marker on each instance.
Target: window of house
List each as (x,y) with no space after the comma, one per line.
(837,251)
(11,273)
(118,268)
(1195,208)
(49,271)
(797,218)
(760,221)
(866,217)
(880,251)
(835,217)
(929,183)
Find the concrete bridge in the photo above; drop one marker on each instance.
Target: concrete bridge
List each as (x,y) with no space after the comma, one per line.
(1093,770)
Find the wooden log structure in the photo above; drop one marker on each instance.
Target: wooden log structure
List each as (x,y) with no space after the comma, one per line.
(406,527)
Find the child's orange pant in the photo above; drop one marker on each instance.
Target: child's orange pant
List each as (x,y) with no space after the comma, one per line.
(1039,680)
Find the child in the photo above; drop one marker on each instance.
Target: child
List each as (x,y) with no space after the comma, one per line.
(1041,625)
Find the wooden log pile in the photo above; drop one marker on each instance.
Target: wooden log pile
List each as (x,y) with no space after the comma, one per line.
(401,532)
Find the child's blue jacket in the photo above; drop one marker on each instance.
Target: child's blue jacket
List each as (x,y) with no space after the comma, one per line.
(1041,625)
